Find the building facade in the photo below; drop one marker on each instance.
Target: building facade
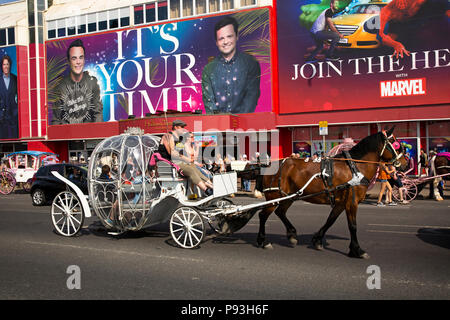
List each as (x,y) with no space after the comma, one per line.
(144,64)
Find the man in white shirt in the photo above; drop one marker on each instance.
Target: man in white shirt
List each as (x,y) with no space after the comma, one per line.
(320,32)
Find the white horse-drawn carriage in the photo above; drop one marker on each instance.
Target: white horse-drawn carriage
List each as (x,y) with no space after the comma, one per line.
(20,167)
(141,190)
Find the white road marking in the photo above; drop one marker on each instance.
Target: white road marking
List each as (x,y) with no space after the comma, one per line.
(408,226)
(114,251)
(414,233)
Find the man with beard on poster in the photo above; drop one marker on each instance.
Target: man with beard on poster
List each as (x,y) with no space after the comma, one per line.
(78,92)
(320,32)
(8,101)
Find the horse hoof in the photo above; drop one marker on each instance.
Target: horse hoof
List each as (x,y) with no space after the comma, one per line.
(268,246)
(318,247)
(293,242)
(363,255)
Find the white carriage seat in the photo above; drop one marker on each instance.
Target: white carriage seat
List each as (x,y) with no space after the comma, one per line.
(166,170)
(169,172)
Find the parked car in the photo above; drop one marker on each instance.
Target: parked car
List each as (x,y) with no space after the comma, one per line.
(45,186)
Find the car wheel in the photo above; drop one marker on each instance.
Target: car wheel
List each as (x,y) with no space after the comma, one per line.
(38,197)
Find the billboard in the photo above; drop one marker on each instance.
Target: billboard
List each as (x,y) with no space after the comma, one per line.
(9,120)
(161,67)
(381,54)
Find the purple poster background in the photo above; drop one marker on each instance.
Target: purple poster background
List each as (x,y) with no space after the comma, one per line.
(158,68)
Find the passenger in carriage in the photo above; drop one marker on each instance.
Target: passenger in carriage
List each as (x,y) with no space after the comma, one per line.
(192,150)
(172,148)
(105,175)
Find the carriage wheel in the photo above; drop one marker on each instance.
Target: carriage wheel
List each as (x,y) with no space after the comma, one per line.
(67,214)
(7,182)
(187,227)
(409,193)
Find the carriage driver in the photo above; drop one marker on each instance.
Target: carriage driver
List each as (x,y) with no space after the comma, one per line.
(171,148)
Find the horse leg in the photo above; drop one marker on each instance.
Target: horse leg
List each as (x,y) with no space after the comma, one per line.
(261,238)
(291,232)
(355,249)
(317,240)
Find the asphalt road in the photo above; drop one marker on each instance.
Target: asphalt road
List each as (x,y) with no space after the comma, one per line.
(408,245)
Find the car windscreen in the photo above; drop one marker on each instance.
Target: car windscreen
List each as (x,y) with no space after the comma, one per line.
(367,9)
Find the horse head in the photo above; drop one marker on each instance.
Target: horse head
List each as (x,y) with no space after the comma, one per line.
(393,152)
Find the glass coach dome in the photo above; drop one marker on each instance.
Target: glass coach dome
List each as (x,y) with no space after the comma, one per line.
(120,181)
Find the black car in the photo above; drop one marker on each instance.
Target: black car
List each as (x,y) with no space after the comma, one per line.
(46,186)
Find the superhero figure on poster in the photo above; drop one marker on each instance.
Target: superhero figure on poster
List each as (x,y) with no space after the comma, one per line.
(413,21)
(78,93)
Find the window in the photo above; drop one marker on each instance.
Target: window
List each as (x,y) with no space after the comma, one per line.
(61,28)
(113,19)
(200,6)
(71,26)
(175,11)
(102,20)
(92,22)
(188,8)
(3,41)
(214,5)
(51,29)
(227,4)
(150,12)
(437,129)
(7,36)
(162,10)
(138,14)
(245,3)
(81,24)
(11,36)
(124,17)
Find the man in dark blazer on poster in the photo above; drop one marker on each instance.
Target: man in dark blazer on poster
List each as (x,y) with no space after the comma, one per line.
(8,101)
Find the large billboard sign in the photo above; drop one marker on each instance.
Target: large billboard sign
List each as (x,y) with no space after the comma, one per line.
(173,66)
(9,120)
(380,54)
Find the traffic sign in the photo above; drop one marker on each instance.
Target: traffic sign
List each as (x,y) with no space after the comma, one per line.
(323,128)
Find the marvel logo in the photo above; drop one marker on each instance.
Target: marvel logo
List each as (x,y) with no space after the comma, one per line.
(406,87)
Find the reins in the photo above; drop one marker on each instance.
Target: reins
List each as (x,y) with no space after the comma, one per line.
(340,159)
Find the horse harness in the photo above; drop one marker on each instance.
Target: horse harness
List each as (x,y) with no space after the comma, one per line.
(326,174)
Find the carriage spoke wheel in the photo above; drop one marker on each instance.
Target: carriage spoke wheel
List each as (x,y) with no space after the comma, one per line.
(7,182)
(67,214)
(187,227)
(409,191)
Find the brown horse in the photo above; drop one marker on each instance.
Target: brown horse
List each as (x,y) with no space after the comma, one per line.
(293,174)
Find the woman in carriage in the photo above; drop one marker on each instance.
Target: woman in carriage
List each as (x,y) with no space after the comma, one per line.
(172,148)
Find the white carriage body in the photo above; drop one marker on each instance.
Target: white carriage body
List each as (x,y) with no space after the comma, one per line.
(24,164)
(138,195)
(141,190)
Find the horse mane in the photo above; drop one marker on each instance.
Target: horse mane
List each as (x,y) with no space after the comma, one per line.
(366,145)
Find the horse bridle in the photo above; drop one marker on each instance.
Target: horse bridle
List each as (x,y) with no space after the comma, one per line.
(397,155)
